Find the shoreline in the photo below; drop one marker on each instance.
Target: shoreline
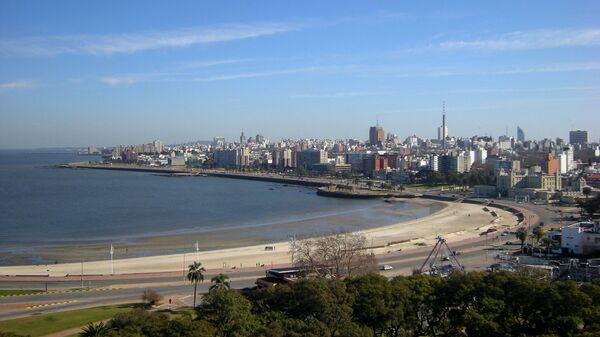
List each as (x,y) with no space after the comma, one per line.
(457,222)
(352,219)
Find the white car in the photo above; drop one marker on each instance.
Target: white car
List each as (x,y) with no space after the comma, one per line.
(386,267)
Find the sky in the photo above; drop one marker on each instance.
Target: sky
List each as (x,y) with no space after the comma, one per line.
(82,73)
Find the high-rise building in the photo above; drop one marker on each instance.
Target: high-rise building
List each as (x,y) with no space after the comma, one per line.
(480,155)
(443,130)
(578,137)
(434,163)
(550,165)
(307,158)
(520,135)
(158,146)
(376,135)
(242,138)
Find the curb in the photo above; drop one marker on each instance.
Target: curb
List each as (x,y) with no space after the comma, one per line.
(62,292)
(49,304)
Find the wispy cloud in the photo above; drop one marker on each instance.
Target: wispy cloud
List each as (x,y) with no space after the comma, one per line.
(552,68)
(136,42)
(180,71)
(538,39)
(16,85)
(511,90)
(129,79)
(237,76)
(339,94)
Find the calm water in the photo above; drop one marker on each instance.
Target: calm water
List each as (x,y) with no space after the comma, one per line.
(45,209)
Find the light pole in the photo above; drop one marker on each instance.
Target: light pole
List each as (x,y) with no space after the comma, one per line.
(184,267)
(82,273)
(112,265)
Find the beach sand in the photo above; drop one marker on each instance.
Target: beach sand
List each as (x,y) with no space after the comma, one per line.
(456,222)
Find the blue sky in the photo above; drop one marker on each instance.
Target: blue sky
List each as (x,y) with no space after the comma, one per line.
(78,73)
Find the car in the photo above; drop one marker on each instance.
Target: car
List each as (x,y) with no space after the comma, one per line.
(445,258)
(386,267)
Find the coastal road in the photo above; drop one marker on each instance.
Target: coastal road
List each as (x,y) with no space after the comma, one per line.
(476,254)
(115,290)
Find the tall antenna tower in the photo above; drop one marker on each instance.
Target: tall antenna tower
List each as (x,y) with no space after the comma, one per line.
(444,128)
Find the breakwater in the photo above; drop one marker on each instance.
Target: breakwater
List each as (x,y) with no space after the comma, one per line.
(309,182)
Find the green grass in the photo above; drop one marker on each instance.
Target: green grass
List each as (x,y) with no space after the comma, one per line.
(50,323)
(9,292)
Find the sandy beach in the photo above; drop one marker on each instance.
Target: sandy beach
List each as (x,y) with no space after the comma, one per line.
(456,222)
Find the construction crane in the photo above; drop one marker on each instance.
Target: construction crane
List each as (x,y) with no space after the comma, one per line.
(437,255)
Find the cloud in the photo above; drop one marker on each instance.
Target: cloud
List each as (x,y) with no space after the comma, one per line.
(137,42)
(16,85)
(553,68)
(227,77)
(180,71)
(340,94)
(129,79)
(511,90)
(538,39)
(122,80)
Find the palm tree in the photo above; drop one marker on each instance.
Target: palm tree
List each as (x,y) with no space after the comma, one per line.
(522,235)
(195,275)
(220,282)
(548,242)
(538,234)
(94,330)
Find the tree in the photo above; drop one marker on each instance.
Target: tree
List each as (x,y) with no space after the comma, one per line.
(195,275)
(337,256)
(538,234)
(522,235)
(587,191)
(220,282)
(95,330)
(370,184)
(549,243)
(372,305)
(590,207)
(151,296)
(229,312)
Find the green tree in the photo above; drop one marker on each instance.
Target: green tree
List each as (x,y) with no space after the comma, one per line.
(522,235)
(372,302)
(220,282)
(229,312)
(195,275)
(549,243)
(538,234)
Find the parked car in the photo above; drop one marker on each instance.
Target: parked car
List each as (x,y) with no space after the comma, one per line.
(386,267)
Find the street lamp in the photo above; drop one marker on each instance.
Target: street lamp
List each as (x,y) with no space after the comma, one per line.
(112,266)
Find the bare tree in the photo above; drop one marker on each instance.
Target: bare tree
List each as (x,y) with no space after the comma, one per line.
(337,256)
(151,296)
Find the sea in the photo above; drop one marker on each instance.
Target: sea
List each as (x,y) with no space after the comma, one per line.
(52,215)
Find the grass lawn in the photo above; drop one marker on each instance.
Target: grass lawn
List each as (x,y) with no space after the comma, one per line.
(18,292)
(50,323)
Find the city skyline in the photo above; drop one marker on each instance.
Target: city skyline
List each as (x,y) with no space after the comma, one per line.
(104,75)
